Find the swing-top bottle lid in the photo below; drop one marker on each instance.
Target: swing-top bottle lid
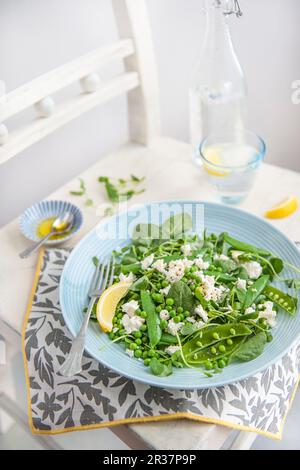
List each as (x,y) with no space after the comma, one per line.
(231,7)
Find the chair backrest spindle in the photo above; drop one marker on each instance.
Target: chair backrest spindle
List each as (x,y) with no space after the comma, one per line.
(139,81)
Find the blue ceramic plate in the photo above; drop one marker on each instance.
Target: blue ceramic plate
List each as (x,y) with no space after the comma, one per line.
(44,210)
(79,270)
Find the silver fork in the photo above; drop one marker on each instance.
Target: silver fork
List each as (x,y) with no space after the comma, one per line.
(102,278)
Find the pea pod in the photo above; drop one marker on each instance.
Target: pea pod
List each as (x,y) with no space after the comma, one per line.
(284,301)
(211,336)
(223,277)
(255,290)
(168,339)
(241,246)
(153,321)
(216,352)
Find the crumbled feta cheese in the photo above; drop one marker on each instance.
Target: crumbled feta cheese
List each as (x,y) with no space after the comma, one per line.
(210,291)
(221,258)
(253,269)
(241,284)
(165,291)
(130,308)
(200,263)
(186,250)
(164,315)
(191,320)
(268,314)
(132,324)
(127,277)
(160,266)
(176,269)
(202,313)
(173,327)
(199,324)
(172,350)
(249,310)
(147,262)
(129,353)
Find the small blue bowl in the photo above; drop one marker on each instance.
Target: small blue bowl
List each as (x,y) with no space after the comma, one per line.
(44,210)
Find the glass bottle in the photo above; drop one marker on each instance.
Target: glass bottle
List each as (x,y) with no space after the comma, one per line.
(219,91)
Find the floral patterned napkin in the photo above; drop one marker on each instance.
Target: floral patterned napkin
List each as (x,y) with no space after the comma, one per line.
(99,397)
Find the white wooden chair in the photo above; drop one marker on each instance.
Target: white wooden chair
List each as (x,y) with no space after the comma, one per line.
(147,150)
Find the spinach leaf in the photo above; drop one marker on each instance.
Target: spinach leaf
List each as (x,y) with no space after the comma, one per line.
(252,348)
(188,329)
(131,268)
(277,264)
(255,290)
(159,369)
(146,232)
(241,295)
(176,226)
(182,296)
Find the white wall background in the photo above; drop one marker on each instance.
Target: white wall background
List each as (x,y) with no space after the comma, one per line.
(37,35)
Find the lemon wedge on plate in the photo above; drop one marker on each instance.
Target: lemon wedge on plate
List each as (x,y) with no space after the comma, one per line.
(284,209)
(212,156)
(108,303)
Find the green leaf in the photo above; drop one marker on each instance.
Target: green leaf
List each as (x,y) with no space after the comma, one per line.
(277,264)
(176,226)
(146,232)
(95,261)
(136,179)
(188,329)
(241,295)
(182,296)
(252,348)
(159,369)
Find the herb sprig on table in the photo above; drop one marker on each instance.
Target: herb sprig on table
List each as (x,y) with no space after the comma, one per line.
(121,190)
(83,192)
(118,190)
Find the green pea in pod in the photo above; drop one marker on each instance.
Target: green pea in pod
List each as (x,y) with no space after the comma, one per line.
(153,321)
(284,301)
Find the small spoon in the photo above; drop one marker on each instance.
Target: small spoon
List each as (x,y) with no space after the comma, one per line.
(60,225)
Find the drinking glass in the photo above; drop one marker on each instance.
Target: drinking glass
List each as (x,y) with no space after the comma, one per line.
(231,160)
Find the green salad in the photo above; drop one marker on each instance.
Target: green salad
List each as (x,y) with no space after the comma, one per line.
(197,302)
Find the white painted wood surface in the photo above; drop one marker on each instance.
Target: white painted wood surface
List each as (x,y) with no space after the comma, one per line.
(20,139)
(48,84)
(170,174)
(143,103)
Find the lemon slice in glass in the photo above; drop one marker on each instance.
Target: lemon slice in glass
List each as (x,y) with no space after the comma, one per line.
(108,303)
(284,209)
(212,156)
